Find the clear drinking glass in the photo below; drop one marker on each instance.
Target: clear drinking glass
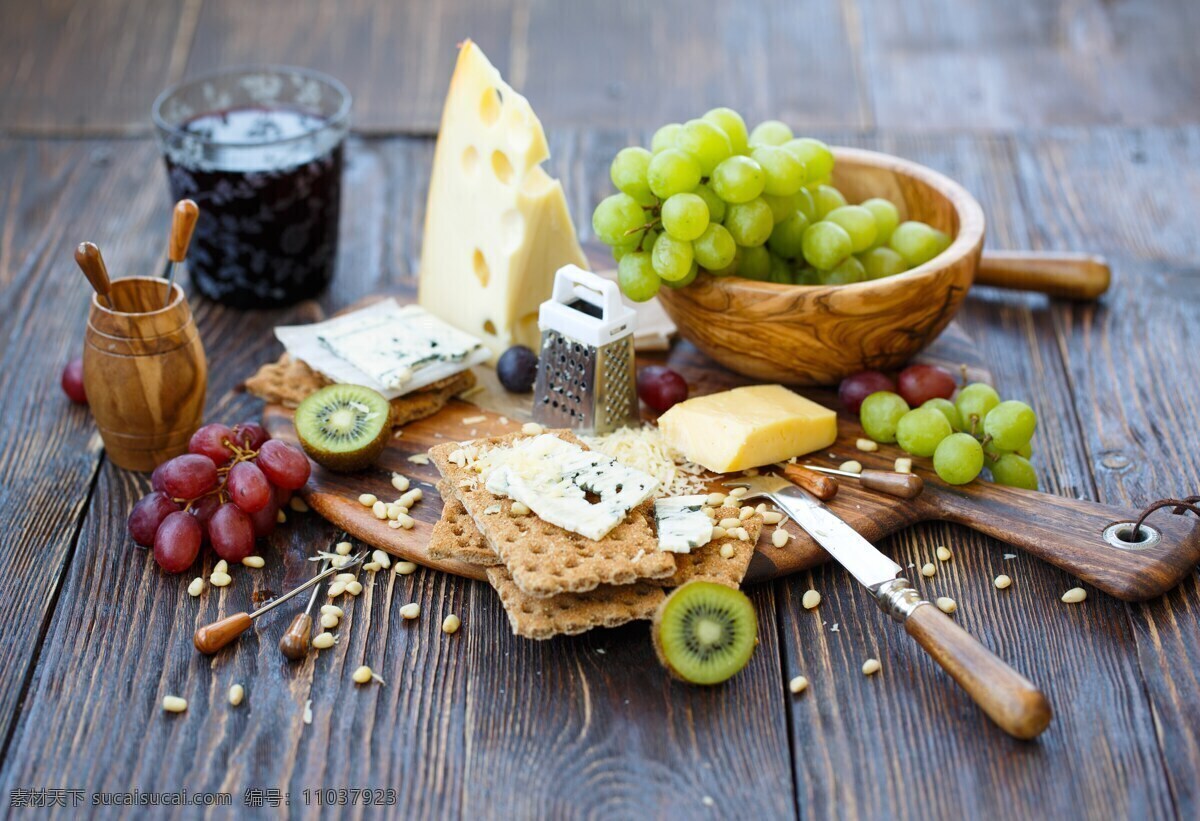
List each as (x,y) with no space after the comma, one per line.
(260,150)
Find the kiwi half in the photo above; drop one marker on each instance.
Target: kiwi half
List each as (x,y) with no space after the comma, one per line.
(705,632)
(344,427)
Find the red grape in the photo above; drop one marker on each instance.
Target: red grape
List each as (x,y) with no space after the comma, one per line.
(147,515)
(156,478)
(177,542)
(231,533)
(247,487)
(283,496)
(286,466)
(920,383)
(72,381)
(203,509)
(265,520)
(858,386)
(250,435)
(210,441)
(661,388)
(189,476)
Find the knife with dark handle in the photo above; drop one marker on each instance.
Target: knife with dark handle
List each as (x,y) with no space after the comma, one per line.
(1009,699)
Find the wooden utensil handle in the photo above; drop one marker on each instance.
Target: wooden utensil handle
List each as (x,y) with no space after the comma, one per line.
(295,641)
(900,485)
(91,262)
(1069,533)
(1062,274)
(818,484)
(1009,699)
(212,637)
(183,224)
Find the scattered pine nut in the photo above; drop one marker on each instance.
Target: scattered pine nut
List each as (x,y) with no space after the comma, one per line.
(710,512)
(531,429)
(760,508)
(1074,596)
(220,579)
(928,569)
(394,525)
(336,589)
(221,567)
(743,534)
(343,548)
(943,553)
(730,523)
(332,610)
(715,499)
(354,587)
(798,685)
(406,568)
(867,445)
(410,498)
(236,693)
(903,465)
(810,599)
(406,521)
(410,611)
(306,716)
(394,510)
(362,675)
(174,704)
(372,567)
(196,587)
(780,537)
(451,624)
(329,621)
(280,517)
(400,482)
(519,509)
(852,466)
(381,558)
(340,561)
(419,459)
(719,532)
(946,604)
(345,578)
(1002,582)
(254,561)
(772,517)
(738,492)
(297,504)
(323,641)
(745,513)
(870,667)
(473,420)
(727,551)
(368,499)
(379,509)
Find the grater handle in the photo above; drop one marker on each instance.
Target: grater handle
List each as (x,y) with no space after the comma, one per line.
(572,282)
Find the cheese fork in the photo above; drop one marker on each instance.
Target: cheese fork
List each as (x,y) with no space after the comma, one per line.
(1009,699)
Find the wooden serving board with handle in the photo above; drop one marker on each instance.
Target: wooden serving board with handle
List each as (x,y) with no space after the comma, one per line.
(1067,533)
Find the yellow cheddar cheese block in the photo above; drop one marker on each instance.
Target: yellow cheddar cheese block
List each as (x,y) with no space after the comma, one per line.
(747,427)
(496,224)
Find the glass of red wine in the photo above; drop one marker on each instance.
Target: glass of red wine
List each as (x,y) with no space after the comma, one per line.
(260,150)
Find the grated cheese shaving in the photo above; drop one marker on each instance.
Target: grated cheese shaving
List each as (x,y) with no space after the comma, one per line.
(645,449)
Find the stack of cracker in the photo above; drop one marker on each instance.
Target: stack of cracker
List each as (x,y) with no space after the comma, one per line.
(552,581)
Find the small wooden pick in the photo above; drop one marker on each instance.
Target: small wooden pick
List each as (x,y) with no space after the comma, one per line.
(90,261)
(183,225)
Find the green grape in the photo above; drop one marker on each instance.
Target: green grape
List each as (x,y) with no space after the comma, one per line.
(732,267)
(1010,424)
(916,242)
(887,217)
(715,249)
(806,205)
(846,272)
(755,262)
(619,251)
(692,273)
(974,402)
(807,276)
(1026,451)
(882,262)
(672,172)
(706,142)
(781,207)
(947,409)
(732,124)
(716,205)
(770,132)
(684,216)
(784,173)
(636,276)
(958,458)
(880,413)
(825,245)
(738,179)
(672,258)
(750,223)
(816,156)
(920,431)
(648,239)
(1014,471)
(780,271)
(665,137)
(628,172)
(827,198)
(617,218)
(787,238)
(859,224)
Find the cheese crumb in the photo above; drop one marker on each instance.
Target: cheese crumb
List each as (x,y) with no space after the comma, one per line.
(645,449)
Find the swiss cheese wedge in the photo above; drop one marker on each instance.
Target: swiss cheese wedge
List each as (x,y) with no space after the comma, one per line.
(496,224)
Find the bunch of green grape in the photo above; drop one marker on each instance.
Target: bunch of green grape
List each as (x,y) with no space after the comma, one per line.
(708,196)
(976,430)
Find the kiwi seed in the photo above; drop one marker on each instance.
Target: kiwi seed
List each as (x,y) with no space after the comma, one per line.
(344,427)
(705,632)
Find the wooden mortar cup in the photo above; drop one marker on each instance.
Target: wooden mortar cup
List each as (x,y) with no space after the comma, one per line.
(145,373)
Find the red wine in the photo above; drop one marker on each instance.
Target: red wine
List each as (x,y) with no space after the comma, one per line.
(268,183)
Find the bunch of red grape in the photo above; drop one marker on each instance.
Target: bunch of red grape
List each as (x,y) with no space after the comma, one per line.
(226,491)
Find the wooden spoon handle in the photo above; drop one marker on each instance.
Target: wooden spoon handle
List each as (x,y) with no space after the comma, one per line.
(1009,699)
(818,484)
(900,485)
(183,224)
(1062,274)
(212,637)
(295,641)
(91,262)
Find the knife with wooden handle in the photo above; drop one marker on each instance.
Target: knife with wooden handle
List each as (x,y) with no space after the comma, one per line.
(1009,699)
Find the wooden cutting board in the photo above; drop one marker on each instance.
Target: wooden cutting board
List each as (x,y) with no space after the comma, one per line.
(1065,532)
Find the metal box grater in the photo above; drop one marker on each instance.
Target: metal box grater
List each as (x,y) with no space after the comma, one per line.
(586,376)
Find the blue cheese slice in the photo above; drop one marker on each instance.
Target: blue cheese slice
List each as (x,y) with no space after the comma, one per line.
(583,491)
(682,523)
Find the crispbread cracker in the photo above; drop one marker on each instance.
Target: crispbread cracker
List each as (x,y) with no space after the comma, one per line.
(455,535)
(572,613)
(546,560)
(706,562)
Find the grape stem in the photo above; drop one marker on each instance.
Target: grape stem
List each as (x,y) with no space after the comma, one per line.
(240,454)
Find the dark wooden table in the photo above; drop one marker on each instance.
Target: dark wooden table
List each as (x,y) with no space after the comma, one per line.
(1073,123)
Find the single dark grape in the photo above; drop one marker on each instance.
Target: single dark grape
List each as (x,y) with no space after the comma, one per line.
(248,487)
(156,478)
(264,521)
(210,441)
(920,383)
(249,435)
(189,476)
(285,466)
(661,388)
(282,496)
(231,533)
(858,386)
(72,381)
(517,369)
(203,509)
(147,515)
(177,542)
